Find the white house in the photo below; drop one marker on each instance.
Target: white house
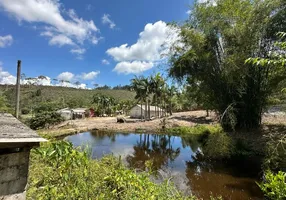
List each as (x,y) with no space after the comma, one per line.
(69,114)
(66,113)
(135,112)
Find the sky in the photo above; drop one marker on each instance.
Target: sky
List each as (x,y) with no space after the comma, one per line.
(86,41)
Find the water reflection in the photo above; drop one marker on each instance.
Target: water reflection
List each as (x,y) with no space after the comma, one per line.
(181,158)
(157,148)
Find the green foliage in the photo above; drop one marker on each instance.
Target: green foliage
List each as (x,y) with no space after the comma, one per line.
(46,107)
(45,120)
(4,106)
(58,171)
(218,146)
(198,129)
(274,186)
(32,95)
(275,151)
(216,42)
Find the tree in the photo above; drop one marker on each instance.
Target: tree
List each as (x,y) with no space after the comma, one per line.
(140,86)
(170,94)
(156,85)
(77,83)
(217,39)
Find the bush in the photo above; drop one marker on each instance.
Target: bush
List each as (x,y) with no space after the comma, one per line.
(274,186)
(218,146)
(58,171)
(25,111)
(198,129)
(45,120)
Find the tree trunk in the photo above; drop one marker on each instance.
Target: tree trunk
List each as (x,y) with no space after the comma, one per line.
(149,113)
(141,111)
(146,111)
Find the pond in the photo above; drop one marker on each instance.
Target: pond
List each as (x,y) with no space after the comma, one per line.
(177,157)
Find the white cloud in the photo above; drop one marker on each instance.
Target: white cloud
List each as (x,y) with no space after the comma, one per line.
(152,42)
(152,46)
(43,80)
(66,76)
(188,12)
(105,62)
(6,41)
(208,2)
(49,13)
(134,67)
(79,52)
(106,20)
(60,40)
(6,77)
(89,7)
(90,75)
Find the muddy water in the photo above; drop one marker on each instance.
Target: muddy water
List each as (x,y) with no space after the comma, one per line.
(180,158)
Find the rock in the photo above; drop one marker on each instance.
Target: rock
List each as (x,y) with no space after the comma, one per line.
(121,119)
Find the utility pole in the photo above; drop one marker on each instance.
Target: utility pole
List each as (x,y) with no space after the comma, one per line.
(18,88)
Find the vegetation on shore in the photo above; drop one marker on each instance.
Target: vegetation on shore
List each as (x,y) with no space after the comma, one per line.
(58,171)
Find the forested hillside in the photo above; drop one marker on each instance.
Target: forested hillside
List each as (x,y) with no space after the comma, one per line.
(70,97)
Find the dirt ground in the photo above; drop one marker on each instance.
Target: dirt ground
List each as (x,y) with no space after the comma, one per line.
(190,118)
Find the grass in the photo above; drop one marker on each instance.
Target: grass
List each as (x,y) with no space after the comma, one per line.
(195,130)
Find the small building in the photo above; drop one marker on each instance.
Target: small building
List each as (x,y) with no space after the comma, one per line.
(66,113)
(135,112)
(79,113)
(16,141)
(70,114)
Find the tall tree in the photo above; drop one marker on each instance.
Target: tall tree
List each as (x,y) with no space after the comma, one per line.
(217,39)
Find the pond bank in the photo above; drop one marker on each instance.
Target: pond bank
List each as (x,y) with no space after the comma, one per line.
(188,119)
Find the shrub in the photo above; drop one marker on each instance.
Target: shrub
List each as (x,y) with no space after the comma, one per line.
(45,120)
(218,146)
(198,129)
(274,186)
(25,111)
(58,171)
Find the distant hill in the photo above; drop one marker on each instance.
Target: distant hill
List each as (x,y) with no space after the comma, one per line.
(31,94)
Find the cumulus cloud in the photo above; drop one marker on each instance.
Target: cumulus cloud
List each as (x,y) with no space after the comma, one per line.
(6,41)
(134,67)
(48,14)
(90,75)
(105,62)
(6,77)
(106,20)
(153,44)
(40,80)
(66,76)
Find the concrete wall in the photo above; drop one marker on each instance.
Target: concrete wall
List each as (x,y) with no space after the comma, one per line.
(135,112)
(13,175)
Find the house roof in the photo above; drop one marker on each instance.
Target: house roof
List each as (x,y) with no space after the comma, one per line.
(14,131)
(152,108)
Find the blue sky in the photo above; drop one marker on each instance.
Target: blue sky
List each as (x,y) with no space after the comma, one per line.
(90,41)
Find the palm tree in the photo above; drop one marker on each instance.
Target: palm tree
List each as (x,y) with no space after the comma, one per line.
(156,85)
(171,92)
(139,85)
